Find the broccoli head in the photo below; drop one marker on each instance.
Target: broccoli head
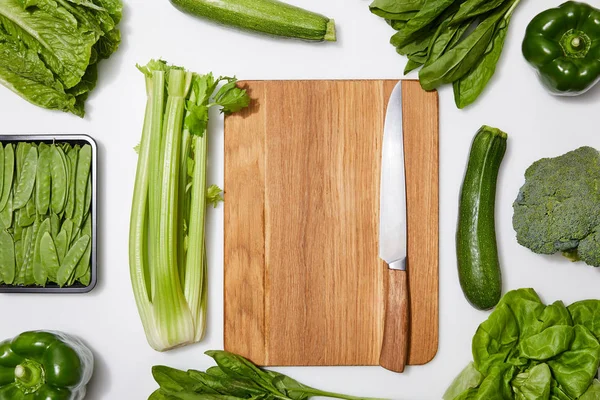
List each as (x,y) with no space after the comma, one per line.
(558,207)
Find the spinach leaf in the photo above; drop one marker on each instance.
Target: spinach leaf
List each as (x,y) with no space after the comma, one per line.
(468,88)
(474,8)
(395,6)
(446,37)
(576,368)
(429,13)
(171,379)
(457,62)
(411,65)
(469,378)
(495,338)
(534,384)
(396,24)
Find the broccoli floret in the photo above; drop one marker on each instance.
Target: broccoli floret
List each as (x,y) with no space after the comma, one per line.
(558,207)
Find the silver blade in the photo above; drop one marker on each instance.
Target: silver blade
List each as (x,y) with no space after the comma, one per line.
(392,211)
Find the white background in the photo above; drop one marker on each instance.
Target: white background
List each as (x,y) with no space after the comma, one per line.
(538,125)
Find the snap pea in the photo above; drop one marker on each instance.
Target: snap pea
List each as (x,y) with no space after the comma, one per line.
(42,181)
(84,163)
(84,264)
(26,179)
(61,243)
(1,167)
(6,215)
(18,254)
(28,256)
(7,257)
(88,197)
(39,271)
(54,225)
(58,172)
(7,177)
(70,261)
(22,267)
(86,278)
(72,156)
(49,256)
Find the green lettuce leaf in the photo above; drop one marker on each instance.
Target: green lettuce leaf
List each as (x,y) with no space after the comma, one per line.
(534,384)
(469,378)
(587,313)
(50,48)
(576,368)
(593,392)
(495,339)
(548,343)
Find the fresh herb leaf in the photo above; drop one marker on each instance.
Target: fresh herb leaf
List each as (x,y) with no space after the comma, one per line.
(230,97)
(213,195)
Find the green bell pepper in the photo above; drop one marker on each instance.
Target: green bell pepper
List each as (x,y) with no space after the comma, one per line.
(41,365)
(563,44)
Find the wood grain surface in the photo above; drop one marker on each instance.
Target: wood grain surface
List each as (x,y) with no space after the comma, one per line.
(303,281)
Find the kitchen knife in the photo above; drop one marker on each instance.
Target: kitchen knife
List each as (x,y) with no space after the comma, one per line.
(393,238)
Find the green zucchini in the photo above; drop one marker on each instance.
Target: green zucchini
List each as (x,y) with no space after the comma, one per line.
(266,16)
(477,252)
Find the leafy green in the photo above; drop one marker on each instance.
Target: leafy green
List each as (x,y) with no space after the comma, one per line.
(558,207)
(456,42)
(167,231)
(533,384)
(526,350)
(468,88)
(233,378)
(457,62)
(50,49)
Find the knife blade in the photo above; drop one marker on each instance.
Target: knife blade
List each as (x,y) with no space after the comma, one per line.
(393,238)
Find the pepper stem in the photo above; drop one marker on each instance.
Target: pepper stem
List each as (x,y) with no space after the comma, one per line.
(29,376)
(21,373)
(575,43)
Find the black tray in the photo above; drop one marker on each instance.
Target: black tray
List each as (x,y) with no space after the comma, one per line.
(72,139)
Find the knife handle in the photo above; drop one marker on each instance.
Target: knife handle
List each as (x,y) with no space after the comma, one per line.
(394,349)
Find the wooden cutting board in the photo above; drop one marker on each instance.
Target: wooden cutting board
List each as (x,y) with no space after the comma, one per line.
(303,281)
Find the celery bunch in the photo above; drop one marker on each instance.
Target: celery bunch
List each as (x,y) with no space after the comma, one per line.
(167,255)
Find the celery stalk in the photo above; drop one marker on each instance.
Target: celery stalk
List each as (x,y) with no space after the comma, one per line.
(167,251)
(138,260)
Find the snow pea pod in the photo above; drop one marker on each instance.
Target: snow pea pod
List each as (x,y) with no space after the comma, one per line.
(28,256)
(22,266)
(6,215)
(54,225)
(1,167)
(42,183)
(7,257)
(7,177)
(72,156)
(84,264)
(71,259)
(48,256)
(83,170)
(61,243)
(88,197)
(39,271)
(26,179)
(58,172)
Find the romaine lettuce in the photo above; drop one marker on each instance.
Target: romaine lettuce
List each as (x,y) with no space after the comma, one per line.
(49,49)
